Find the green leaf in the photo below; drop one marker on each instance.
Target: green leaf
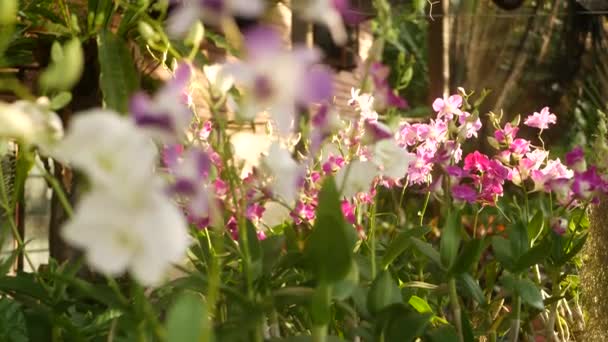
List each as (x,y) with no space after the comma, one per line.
(536,225)
(502,251)
(8,12)
(321,305)
(60,100)
(330,245)
(344,288)
(427,249)
(65,69)
(305,339)
(420,304)
(575,247)
(118,79)
(470,255)
(272,248)
(525,288)
(406,327)
(518,236)
(12,322)
(254,248)
(471,287)
(401,243)
(533,256)
(450,239)
(443,333)
(187,320)
(530,293)
(383,292)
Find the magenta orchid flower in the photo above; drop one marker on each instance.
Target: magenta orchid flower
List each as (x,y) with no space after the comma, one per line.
(575,159)
(464,192)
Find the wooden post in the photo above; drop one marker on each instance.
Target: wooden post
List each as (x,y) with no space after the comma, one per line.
(438,50)
(594,275)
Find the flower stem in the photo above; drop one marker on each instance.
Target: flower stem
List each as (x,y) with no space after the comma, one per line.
(426,203)
(456,310)
(516,320)
(550,327)
(372,238)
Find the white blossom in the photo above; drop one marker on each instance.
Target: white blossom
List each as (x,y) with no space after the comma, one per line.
(30,123)
(283,172)
(110,149)
(356,177)
(143,235)
(392,160)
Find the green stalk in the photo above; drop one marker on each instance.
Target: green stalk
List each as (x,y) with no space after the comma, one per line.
(555,291)
(456,310)
(426,203)
(516,320)
(319,333)
(372,238)
(9,210)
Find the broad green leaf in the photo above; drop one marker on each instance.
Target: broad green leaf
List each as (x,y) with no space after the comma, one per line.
(471,287)
(60,100)
(525,288)
(344,288)
(420,304)
(254,249)
(502,251)
(329,248)
(407,327)
(321,305)
(533,256)
(536,225)
(470,255)
(450,239)
(401,243)
(8,12)
(118,79)
(530,293)
(65,68)
(187,320)
(427,249)
(443,333)
(383,292)
(575,247)
(518,236)
(272,248)
(12,322)
(305,339)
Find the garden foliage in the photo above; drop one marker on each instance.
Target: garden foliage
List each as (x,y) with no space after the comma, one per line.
(360,225)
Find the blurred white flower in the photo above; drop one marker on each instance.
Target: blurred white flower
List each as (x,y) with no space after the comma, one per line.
(142,236)
(219,81)
(329,13)
(274,214)
(166,115)
(276,79)
(356,177)
(110,149)
(283,171)
(392,160)
(30,123)
(211,11)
